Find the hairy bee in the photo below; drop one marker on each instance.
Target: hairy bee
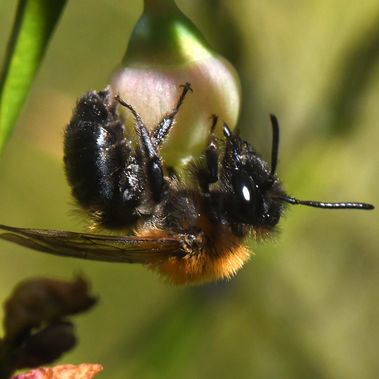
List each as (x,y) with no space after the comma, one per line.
(189,227)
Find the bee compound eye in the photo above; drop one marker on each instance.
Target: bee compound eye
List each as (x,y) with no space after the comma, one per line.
(245,197)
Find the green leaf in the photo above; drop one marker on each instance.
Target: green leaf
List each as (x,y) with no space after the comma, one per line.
(34,23)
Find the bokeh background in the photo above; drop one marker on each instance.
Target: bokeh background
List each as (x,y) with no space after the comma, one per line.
(307,304)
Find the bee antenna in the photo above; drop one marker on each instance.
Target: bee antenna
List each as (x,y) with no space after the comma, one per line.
(320,204)
(275,143)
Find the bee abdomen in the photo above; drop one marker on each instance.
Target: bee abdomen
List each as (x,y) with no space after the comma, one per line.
(99,166)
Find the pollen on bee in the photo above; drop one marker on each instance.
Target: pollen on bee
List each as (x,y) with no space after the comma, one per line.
(220,259)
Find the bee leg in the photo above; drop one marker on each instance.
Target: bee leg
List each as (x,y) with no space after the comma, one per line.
(162,130)
(149,143)
(150,158)
(209,174)
(100,165)
(211,153)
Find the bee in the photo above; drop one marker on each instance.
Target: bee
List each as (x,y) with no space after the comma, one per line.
(189,227)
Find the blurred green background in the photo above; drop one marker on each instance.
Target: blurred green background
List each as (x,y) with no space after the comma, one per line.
(306,305)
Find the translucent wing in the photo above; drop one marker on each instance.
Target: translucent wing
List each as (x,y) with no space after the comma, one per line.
(129,249)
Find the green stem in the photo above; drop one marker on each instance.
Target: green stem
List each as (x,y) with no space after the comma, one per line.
(34,23)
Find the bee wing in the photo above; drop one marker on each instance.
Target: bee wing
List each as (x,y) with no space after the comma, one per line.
(129,249)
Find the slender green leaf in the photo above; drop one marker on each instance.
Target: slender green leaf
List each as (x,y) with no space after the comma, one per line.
(34,23)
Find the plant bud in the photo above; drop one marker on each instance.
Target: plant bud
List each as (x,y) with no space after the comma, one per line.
(164,52)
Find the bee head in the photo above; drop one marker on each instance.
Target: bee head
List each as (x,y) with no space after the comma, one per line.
(251,190)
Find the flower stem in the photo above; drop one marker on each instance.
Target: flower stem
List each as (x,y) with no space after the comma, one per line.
(164,36)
